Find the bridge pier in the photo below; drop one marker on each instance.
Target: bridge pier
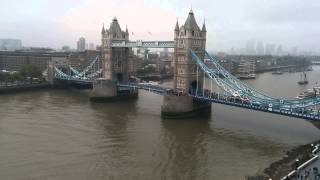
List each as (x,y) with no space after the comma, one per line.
(107,91)
(50,77)
(177,107)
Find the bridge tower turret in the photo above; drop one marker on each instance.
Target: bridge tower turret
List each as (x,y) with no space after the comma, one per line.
(188,37)
(114,66)
(187,78)
(115,60)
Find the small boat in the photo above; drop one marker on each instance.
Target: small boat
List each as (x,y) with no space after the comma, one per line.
(303,79)
(277,72)
(310,93)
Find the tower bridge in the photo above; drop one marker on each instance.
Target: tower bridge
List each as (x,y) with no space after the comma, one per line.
(190,95)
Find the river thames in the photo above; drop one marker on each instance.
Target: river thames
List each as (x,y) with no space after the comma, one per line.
(59,134)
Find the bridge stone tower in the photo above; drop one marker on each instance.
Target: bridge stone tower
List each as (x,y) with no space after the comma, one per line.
(115,66)
(115,60)
(186,78)
(188,37)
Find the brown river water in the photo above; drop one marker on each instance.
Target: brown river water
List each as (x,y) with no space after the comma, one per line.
(59,134)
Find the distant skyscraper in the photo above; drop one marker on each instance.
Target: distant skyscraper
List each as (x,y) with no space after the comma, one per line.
(10,44)
(81,44)
(295,51)
(279,50)
(260,48)
(250,47)
(232,51)
(91,46)
(270,49)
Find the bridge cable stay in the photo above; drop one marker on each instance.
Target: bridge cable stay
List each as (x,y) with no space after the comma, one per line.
(235,90)
(253,102)
(229,87)
(83,75)
(237,82)
(234,79)
(88,68)
(305,102)
(213,75)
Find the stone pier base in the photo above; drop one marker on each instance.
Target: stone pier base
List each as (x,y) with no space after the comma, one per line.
(177,107)
(107,91)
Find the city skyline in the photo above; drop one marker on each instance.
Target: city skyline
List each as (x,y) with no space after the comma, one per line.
(59,24)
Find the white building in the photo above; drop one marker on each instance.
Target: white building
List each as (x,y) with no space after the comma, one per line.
(81,44)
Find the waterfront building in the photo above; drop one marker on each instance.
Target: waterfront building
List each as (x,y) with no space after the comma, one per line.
(134,64)
(14,60)
(80,60)
(246,69)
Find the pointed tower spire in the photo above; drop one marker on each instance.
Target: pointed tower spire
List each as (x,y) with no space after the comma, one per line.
(191,23)
(191,11)
(127,32)
(204,29)
(103,30)
(177,26)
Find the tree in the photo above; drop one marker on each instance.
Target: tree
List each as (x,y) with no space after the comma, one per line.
(30,71)
(16,77)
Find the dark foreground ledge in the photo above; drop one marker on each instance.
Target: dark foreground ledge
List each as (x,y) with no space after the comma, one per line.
(284,166)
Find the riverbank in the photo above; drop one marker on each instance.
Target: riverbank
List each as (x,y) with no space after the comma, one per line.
(23,88)
(275,68)
(281,168)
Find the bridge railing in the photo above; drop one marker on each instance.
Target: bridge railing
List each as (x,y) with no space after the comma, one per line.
(237,88)
(143,44)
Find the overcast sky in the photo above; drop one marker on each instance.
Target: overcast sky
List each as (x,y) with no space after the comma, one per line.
(230,23)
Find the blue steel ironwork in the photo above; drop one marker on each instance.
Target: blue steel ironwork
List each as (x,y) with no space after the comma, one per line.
(232,79)
(87,69)
(236,92)
(143,44)
(253,92)
(86,76)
